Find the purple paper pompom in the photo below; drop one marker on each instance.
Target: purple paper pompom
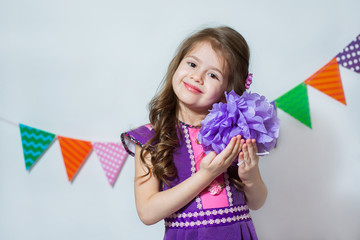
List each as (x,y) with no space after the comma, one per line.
(249,115)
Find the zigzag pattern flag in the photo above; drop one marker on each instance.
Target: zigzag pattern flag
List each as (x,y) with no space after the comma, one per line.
(74,154)
(112,157)
(34,143)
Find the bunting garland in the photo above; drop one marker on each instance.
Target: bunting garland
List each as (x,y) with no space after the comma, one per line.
(113,155)
(35,142)
(327,80)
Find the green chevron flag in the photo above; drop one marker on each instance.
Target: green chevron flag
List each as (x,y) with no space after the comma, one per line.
(34,142)
(296,103)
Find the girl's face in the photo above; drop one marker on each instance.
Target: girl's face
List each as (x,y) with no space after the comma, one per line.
(200,79)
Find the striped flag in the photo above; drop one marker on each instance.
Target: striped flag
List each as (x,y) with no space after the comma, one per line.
(74,153)
(328,81)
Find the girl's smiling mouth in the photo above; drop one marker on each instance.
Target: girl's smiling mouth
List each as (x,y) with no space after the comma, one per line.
(192,88)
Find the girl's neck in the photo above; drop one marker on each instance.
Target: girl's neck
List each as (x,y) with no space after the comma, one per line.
(190,117)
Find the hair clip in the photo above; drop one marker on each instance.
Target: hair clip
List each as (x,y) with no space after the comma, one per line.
(248,81)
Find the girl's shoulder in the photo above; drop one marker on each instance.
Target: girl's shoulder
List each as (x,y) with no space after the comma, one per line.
(138,136)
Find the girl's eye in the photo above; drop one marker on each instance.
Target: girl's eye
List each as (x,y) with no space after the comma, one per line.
(191,64)
(213,76)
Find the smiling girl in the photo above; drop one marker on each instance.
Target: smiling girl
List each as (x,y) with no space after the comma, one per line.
(200,196)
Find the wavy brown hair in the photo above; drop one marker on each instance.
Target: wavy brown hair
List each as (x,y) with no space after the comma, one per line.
(164,106)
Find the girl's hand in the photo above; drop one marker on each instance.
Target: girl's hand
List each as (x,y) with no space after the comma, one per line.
(212,165)
(249,170)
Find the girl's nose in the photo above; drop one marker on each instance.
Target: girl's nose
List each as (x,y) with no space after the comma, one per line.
(197,77)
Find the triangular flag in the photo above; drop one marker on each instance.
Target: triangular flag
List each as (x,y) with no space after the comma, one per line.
(112,157)
(328,81)
(34,143)
(74,153)
(350,56)
(296,103)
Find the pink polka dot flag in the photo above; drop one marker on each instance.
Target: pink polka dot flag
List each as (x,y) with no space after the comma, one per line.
(112,157)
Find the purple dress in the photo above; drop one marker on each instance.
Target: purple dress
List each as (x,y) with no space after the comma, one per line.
(214,214)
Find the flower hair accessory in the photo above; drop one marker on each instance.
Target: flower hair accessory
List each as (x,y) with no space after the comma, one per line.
(248,81)
(249,115)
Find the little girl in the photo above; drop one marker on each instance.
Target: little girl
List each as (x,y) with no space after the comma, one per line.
(200,196)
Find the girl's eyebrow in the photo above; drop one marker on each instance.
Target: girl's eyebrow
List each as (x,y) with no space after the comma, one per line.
(212,67)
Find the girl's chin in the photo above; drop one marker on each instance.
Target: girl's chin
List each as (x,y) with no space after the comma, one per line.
(195,107)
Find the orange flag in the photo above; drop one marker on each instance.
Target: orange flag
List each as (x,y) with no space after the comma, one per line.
(74,154)
(328,81)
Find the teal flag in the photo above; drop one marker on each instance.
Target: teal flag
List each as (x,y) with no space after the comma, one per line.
(34,143)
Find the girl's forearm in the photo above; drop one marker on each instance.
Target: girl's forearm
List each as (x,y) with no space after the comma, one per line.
(162,204)
(256,193)
(153,205)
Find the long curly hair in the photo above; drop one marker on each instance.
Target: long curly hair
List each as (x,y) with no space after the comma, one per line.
(164,106)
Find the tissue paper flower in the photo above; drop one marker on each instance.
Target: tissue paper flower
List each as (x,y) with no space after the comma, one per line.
(249,115)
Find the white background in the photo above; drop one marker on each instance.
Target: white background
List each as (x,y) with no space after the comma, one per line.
(87,69)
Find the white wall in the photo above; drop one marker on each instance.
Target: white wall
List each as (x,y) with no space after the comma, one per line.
(74,68)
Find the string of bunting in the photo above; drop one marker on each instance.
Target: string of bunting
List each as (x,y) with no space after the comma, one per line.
(327,80)
(112,155)
(35,142)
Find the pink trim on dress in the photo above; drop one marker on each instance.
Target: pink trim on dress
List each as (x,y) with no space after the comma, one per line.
(208,198)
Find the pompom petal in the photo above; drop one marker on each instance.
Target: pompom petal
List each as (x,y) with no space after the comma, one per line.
(259,127)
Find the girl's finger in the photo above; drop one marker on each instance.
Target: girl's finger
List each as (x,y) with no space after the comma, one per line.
(241,160)
(229,148)
(252,149)
(246,153)
(237,147)
(241,154)
(242,142)
(235,150)
(255,146)
(209,158)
